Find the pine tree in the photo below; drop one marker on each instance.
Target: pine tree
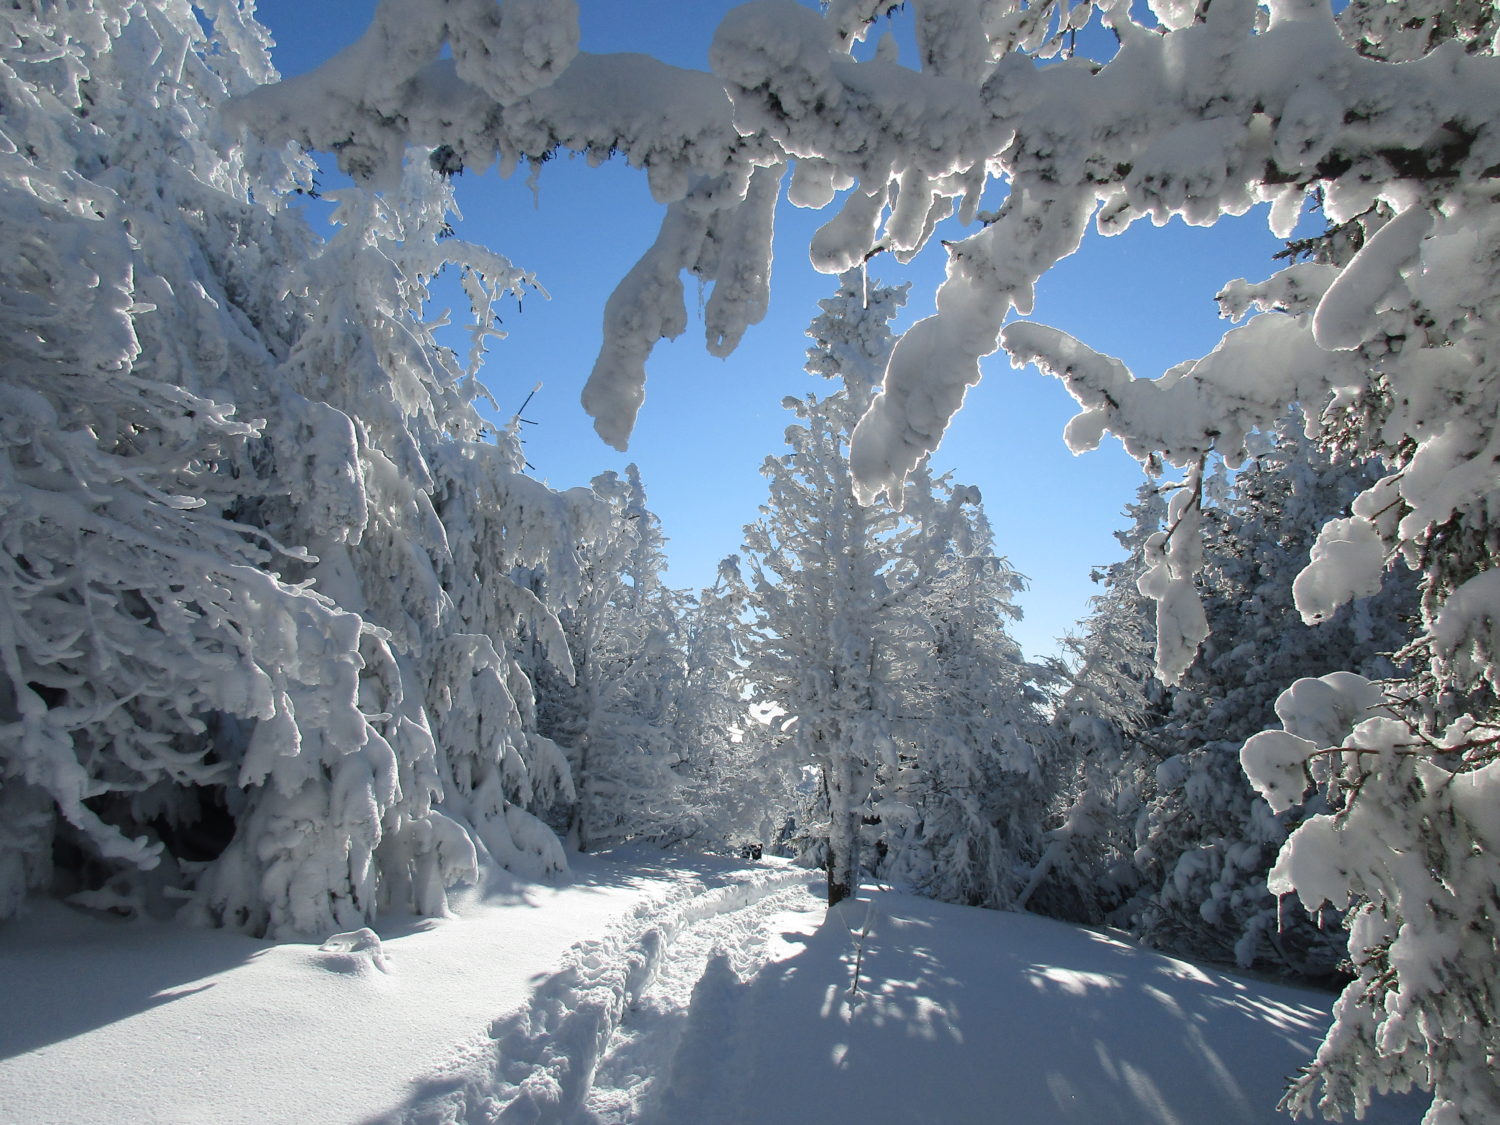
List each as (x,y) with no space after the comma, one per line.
(738,787)
(258,541)
(147,628)
(842,595)
(1207,841)
(961,816)
(821,570)
(1105,757)
(616,719)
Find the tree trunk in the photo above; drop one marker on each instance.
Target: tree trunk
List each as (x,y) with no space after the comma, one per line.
(841,883)
(580,830)
(843,838)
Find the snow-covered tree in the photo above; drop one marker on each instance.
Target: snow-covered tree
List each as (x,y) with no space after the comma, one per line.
(257,539)
(1104,755)
(1161,833)
(823,578)
(142,619)
(961,816)
(738,787)
(615,717)
(1207,841)
(854,604)
(1383,338)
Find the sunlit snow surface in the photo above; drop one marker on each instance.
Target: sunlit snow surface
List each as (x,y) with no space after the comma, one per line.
(666,990)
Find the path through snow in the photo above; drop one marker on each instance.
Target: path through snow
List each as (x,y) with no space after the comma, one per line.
(589,1043)
(723,946)
(735,999)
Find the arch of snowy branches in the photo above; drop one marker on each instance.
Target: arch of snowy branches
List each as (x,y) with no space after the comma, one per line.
(1383,335)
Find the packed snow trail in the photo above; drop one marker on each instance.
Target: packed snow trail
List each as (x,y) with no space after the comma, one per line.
(731,944)
(735,998)
(538,1066)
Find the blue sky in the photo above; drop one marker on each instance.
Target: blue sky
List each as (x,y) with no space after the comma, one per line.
(1145,296)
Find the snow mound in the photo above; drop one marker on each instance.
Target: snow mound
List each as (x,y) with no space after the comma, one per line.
(357,952)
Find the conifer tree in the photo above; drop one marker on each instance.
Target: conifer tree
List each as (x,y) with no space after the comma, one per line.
(615,719)
(1105,756)
(1206,841)
(852,603)
(961,816)
(738,784)
(258,541)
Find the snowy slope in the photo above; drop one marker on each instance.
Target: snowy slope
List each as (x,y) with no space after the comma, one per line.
(971,1016)
(112,1022)
(651,989)
(960,1016)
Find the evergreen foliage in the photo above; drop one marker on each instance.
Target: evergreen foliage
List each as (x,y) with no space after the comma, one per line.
(257,607)
(616,716)
(878,640)
(1207,841)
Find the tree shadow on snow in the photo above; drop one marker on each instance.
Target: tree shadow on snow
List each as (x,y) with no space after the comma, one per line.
(66,973)
(963,1016)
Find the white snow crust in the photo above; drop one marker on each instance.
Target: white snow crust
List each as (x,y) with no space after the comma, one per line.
(673,990)
(109,1022)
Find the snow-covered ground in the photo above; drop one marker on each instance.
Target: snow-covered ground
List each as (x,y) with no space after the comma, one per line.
(653,989)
